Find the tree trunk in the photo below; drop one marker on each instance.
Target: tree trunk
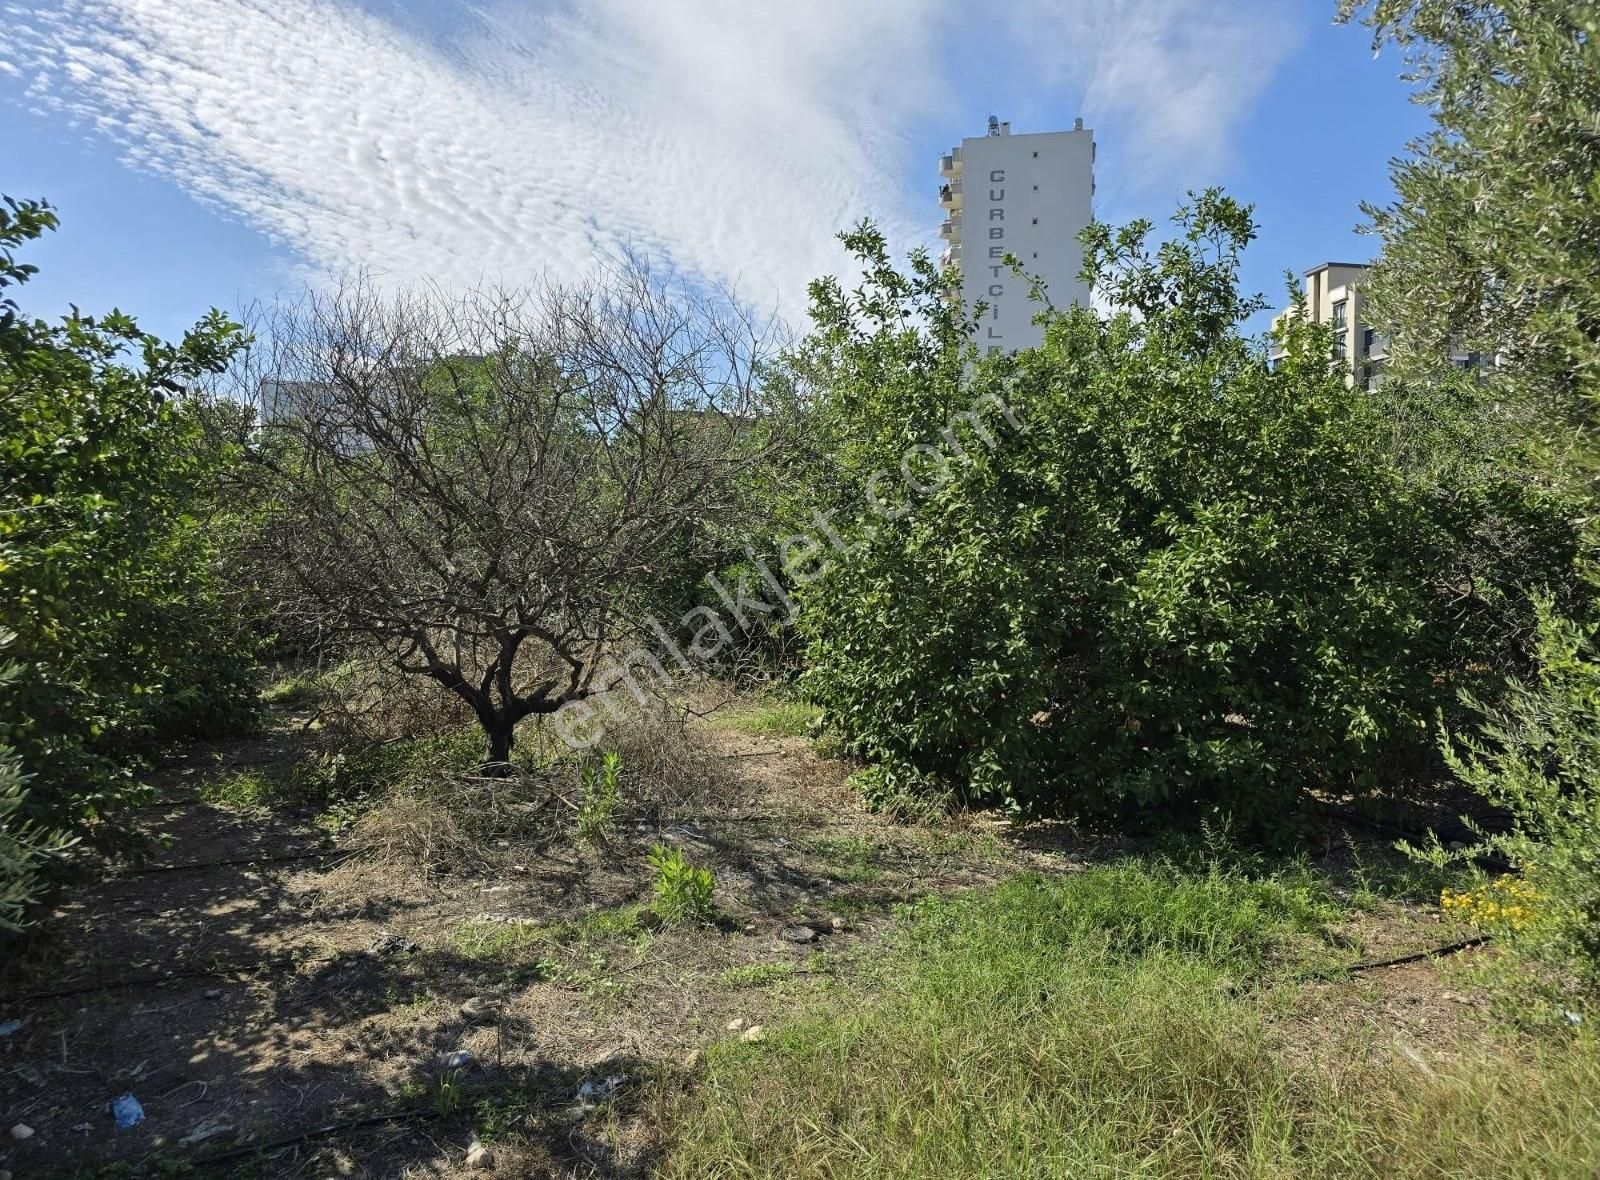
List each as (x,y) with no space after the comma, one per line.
(502,735)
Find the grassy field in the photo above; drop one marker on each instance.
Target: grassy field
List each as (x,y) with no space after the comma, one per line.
(1131,1020)
(361,958)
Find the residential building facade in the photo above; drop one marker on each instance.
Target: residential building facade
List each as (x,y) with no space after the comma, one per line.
(1333,297)
(1028,195)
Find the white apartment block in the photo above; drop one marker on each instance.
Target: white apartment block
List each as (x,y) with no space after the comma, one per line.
(1026,195)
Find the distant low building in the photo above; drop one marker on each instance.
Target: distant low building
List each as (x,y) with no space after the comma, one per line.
(1334,298)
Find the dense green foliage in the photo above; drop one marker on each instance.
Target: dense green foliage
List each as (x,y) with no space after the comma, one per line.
(1113,1023)
(24,845)
(1170,579)
(1493,241)
(106,564)
(1538,760)
(1493,245)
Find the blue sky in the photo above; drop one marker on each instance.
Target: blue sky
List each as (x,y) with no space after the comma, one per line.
(208,152)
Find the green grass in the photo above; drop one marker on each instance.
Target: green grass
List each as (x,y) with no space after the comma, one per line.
(518,942)
(294,690)
(774,717)
(502,942)
(850,859)
(750,975)
(1114,1023)
(242,790)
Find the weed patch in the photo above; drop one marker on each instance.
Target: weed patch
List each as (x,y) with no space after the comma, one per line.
(1095,1025)
(775,717)
(750,975)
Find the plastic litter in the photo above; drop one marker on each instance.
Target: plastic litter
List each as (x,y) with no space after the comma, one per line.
(1573,1018)
(126,1110)
(460,1059)
(592,1093)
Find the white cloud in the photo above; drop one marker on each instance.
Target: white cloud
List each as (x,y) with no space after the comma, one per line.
(1173,76)
(732,136)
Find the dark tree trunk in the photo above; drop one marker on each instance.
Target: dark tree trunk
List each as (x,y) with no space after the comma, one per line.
(502,736)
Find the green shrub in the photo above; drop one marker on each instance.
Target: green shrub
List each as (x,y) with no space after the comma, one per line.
(24,845)
(1537,757)
(597,798)
(1149,574)
(682,891)
(109,548)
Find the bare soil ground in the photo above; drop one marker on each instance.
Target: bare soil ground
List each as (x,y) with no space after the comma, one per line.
(285,1005)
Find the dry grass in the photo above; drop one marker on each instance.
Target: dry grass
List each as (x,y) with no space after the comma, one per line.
(460,823)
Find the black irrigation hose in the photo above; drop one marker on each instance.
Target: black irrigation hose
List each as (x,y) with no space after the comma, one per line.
(1438,952)
(81,989)
(372,1120)
(280,858)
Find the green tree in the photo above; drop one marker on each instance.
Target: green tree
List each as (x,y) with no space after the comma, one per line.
(107,571)
(1134,569)
(1493,241)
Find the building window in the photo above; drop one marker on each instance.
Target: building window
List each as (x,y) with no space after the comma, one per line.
(1341,329)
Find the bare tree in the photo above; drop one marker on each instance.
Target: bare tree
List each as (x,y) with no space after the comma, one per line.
(494,488)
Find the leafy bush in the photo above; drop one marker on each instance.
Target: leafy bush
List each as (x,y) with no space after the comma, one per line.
(1537,757)
(1146,573)
(682,891)
(107,562)
(24,845)
(597,798)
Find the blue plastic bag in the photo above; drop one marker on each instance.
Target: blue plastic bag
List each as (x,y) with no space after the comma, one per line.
(127,1111)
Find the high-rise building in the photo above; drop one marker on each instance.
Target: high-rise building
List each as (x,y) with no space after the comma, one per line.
(1024,195)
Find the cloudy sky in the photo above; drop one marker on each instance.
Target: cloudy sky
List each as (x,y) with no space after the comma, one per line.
(209,151)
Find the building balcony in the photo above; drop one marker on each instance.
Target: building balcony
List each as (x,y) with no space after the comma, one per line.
(950,166)
(951,256)
(950,230)
(950,195)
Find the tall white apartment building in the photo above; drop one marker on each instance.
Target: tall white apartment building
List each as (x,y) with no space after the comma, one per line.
(1027,195)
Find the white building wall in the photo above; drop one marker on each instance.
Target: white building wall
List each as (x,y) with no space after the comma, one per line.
(1031,196)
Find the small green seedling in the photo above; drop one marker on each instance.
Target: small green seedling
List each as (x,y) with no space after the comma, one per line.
(683,892)
(597,799)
